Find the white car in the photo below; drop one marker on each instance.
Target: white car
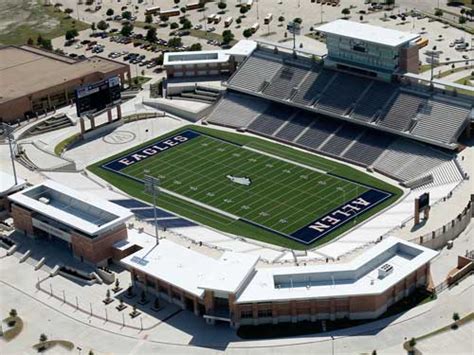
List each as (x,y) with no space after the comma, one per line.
(197,27)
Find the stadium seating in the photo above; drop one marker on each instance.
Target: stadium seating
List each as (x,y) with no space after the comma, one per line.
(373,101)
(295,127)
(368,147)
(256,70)
(289,76)
(341,139)
(439,120)
(235,110)
(341,93)
(405,159)
(313,85)
(318,132)
(272,119)
(402,111)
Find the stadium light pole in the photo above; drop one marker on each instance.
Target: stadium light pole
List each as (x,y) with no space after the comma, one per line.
(8,133)
(152,186)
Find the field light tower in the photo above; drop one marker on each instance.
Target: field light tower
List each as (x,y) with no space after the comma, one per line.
(152,186)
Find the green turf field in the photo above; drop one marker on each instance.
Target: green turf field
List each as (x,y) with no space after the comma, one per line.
(288,188)
(282,196)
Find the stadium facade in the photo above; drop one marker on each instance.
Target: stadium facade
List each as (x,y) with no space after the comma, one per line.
(29,86)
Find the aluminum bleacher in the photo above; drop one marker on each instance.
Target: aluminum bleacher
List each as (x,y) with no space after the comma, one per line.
(439,120)
(272,119)
(402,111)
(313,85)
(235,110)
(342,93)
(368,147)
(373,101)
(287,78)
(296,126)
(318,132)
(256,70)
(341,139)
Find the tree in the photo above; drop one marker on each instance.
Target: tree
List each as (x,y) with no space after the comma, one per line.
(346,11)
(39,40)
(247,33)
(412,342)
(455,316)
(176,2)
(149,18)
(164,18)
(93,26)
(281,19)
(102,25)
(186,24)
(151,37)
(46,44)
(68,11)
(238,21)
(361,18)
(174,25)
(30,41)
(462,20)
(222,5)
(175,42)
(43,338)
(298,20)
(243,10)
(13,313)
(438,12)
(110,12)
(70,34)
(227,36)
(183,10)
(126,30)
(195,47)
(127,15)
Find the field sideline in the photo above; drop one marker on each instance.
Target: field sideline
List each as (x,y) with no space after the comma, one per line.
(278,201)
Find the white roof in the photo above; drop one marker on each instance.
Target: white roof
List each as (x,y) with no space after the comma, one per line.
(233,270)
(368,33)
(193,57)
(358,277)
(7,183)
(79,210)
(189,270)
(244,47)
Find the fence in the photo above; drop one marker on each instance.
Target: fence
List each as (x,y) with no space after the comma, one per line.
(439,237)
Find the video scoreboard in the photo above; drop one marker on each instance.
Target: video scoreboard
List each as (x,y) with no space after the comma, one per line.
(97,96)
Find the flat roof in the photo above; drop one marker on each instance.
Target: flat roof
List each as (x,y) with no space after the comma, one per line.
(40,70)
(7,184)
(368,33)
(244,47)
(76,209)
(356,278)
(190,270)
(192,57)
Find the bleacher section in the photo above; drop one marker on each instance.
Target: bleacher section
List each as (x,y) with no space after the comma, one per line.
(284,82)
(342,93)
(368,147)
(373,101)
(295,127)
(402,110)
(235,110)
(257,69)
(439,120)
(318,132)
(280,76)
(341,139)
(312,86)
(405,160)
(271,120)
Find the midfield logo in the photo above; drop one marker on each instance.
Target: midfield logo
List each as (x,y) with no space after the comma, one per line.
(239,180)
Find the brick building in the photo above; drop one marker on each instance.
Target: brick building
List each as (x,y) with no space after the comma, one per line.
(35,80)
(85,225)
(232,289)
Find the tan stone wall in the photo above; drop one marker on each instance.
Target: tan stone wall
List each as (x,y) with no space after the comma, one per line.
(22,219)
(98,249)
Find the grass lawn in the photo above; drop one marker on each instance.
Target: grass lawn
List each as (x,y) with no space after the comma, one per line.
(278,199)
(33,19)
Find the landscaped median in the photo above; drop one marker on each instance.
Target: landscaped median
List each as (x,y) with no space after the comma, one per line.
(66,143)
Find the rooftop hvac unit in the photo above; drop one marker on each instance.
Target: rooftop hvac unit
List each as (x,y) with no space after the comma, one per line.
(44,200)
(385,270)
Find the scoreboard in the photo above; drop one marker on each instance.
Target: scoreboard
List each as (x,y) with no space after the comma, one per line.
(97,96)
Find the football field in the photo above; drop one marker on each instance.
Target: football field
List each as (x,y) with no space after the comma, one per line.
(291,199)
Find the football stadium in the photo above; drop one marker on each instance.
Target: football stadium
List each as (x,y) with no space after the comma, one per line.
(267,185)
